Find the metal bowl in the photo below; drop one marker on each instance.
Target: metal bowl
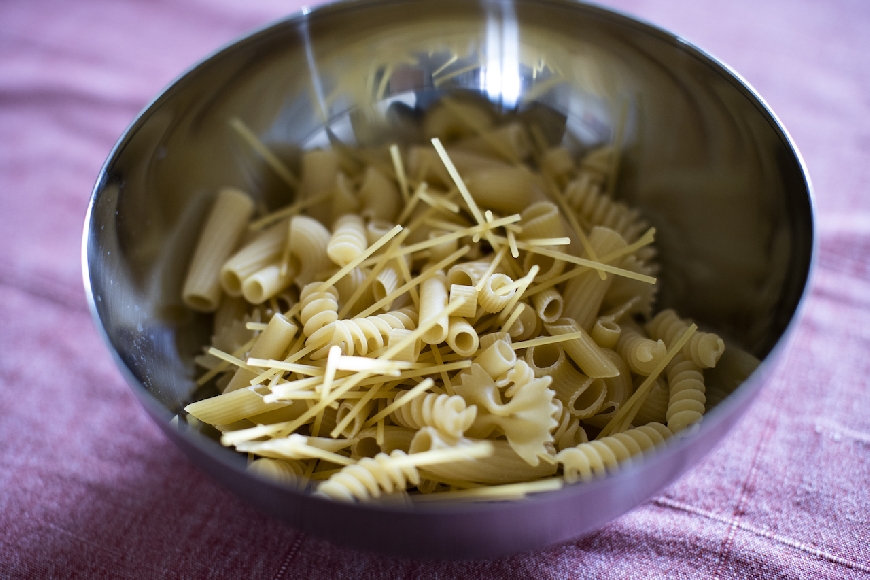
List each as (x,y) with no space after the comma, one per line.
(705,159)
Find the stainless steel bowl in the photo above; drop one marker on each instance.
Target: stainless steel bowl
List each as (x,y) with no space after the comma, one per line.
(705,158)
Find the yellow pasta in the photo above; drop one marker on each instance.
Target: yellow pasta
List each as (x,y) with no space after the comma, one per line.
(433,300)
(704,348)
(223,228)
(461,331)
(307,246)
(348,240)
(262,251)
(583,350)
(462,337)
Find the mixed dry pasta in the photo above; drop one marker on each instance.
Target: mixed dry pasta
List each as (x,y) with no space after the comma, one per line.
(467,317)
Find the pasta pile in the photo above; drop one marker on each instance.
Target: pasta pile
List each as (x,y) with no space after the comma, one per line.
(468,317)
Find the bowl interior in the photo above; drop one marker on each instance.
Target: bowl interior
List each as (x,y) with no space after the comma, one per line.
(703,158)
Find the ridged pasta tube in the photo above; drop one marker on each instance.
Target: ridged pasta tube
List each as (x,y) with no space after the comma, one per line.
(497,359)
(548,304)
(319,308)
(344,198)
(526,325)
(454,119)
(449,414)
(253,257)
(387,281)
(467,293)
(597,458)
(641,353)
(468,273)
(584,294)
(619,390)
(605,332)
(489,299)
(503,466)
(487,340)
(703,348)
(319,171)
(271,344)
(583,350)
(224,227)
(511,141)
(359,418)
(347,286)
(433,300)
(369,478)
(687,393)
(348,240)
(628,295)
(541,219)
(580,395)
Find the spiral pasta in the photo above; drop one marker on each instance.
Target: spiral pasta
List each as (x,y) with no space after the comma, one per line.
(369,478)
(593,207)
(319,307)
(449,415)
(594,459)
(704,348)
(641,353)
(687,393)
(359,336)
(348,239)
(655,405)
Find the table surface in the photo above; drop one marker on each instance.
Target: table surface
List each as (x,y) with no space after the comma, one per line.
(89,487)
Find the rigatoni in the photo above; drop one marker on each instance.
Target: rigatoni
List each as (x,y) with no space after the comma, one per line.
(224,226)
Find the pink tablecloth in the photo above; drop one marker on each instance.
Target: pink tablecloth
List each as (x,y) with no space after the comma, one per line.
(88,485)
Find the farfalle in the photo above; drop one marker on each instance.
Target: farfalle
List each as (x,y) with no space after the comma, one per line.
(526,418)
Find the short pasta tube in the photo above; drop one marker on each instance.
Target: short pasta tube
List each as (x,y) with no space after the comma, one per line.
(583,295)
(541,219)
(503,466)
(271,344)
(583,350)
(506,189)
(263,250)
(462,337)
(224,227)
(433,300)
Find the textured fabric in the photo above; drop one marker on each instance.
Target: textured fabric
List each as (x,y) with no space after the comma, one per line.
(90,488)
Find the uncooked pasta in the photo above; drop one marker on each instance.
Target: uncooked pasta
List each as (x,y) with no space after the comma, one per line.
(468,317)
